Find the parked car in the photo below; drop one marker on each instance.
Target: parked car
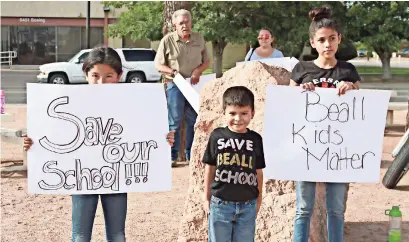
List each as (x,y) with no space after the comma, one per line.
(362,53)
(138,66)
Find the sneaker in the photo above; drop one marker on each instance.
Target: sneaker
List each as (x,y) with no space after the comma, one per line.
(173,163)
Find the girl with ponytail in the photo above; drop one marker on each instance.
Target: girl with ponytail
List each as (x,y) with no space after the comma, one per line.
(324,72)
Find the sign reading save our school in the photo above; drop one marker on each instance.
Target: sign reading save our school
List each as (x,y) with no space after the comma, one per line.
(322,137)
(96,139)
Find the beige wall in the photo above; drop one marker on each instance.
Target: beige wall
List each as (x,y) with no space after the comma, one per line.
(54,9)
(232,53)
(129,43)
(115,42)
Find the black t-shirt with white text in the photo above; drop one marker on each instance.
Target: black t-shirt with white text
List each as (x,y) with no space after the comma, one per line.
(237,156)
(308,71)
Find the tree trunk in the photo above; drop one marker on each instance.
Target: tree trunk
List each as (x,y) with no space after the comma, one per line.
(385,56)
(247,47)
(386,66)
(168,10)
(218,48)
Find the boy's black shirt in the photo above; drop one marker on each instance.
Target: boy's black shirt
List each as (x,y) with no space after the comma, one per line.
(308,71)
(236,163)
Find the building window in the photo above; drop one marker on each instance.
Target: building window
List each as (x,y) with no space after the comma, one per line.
(37,45)
(69,42)
(97,37)
(34,45)
(5,38)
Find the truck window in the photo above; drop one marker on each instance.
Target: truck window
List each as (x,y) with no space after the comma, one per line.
(139,55)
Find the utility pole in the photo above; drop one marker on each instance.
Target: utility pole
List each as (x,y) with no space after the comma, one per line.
(87,27)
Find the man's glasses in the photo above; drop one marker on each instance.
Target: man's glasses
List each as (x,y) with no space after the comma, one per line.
(266,37)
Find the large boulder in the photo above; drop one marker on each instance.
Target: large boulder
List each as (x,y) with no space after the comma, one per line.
(275,219)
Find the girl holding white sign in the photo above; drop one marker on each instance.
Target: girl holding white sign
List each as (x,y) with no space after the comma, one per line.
(103,65)
(325,72)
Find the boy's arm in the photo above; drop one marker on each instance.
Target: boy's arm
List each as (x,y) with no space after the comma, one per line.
(209,175)
(260,188)
(208,179)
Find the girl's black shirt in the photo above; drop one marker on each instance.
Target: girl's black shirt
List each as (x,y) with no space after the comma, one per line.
(308,71)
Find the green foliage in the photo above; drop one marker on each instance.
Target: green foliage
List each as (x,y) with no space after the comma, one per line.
(229,22)
(380,25)
(404,44)
(223,21)
(143,20)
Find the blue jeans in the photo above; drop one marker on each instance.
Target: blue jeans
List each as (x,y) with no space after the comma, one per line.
(232,221)
(335,195)
(178,109)
(83,214)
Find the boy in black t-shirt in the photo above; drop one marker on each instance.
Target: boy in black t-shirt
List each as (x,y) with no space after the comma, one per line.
(234,160)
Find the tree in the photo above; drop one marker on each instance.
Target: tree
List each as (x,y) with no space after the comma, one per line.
(223,22)
(404,44)
(168,10)
(143,20)
(380,25)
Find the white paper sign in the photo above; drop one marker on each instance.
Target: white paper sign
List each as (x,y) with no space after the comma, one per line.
(188,91)
(203,80)
(322,137)
(287,63)
(97,139)
(192,92)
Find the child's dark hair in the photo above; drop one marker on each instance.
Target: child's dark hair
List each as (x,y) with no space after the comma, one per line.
(102,55)
(321,18)
(238,96)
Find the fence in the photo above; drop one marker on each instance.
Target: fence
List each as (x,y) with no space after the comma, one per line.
(6,57)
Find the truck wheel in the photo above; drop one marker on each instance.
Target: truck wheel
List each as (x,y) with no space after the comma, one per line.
(58,79)
(136,78)
(398,168)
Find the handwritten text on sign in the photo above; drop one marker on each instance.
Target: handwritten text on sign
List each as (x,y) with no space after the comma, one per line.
(320,136)
(86,140)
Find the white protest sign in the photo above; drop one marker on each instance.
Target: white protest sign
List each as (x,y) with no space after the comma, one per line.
(97,139)
(203,80)
(287,63)
(192,92)
(322,137)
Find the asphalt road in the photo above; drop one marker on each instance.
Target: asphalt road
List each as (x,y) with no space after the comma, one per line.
(14,84)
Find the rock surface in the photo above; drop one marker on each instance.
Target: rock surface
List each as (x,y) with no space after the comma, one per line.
(275,219)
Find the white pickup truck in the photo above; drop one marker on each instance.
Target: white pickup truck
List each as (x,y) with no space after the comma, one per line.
(138,66)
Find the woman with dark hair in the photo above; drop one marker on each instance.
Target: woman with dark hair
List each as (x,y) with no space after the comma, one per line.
(266,47)
(324,72)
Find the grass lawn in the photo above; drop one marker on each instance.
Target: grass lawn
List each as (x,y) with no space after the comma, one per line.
(361,69)
(377,70)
